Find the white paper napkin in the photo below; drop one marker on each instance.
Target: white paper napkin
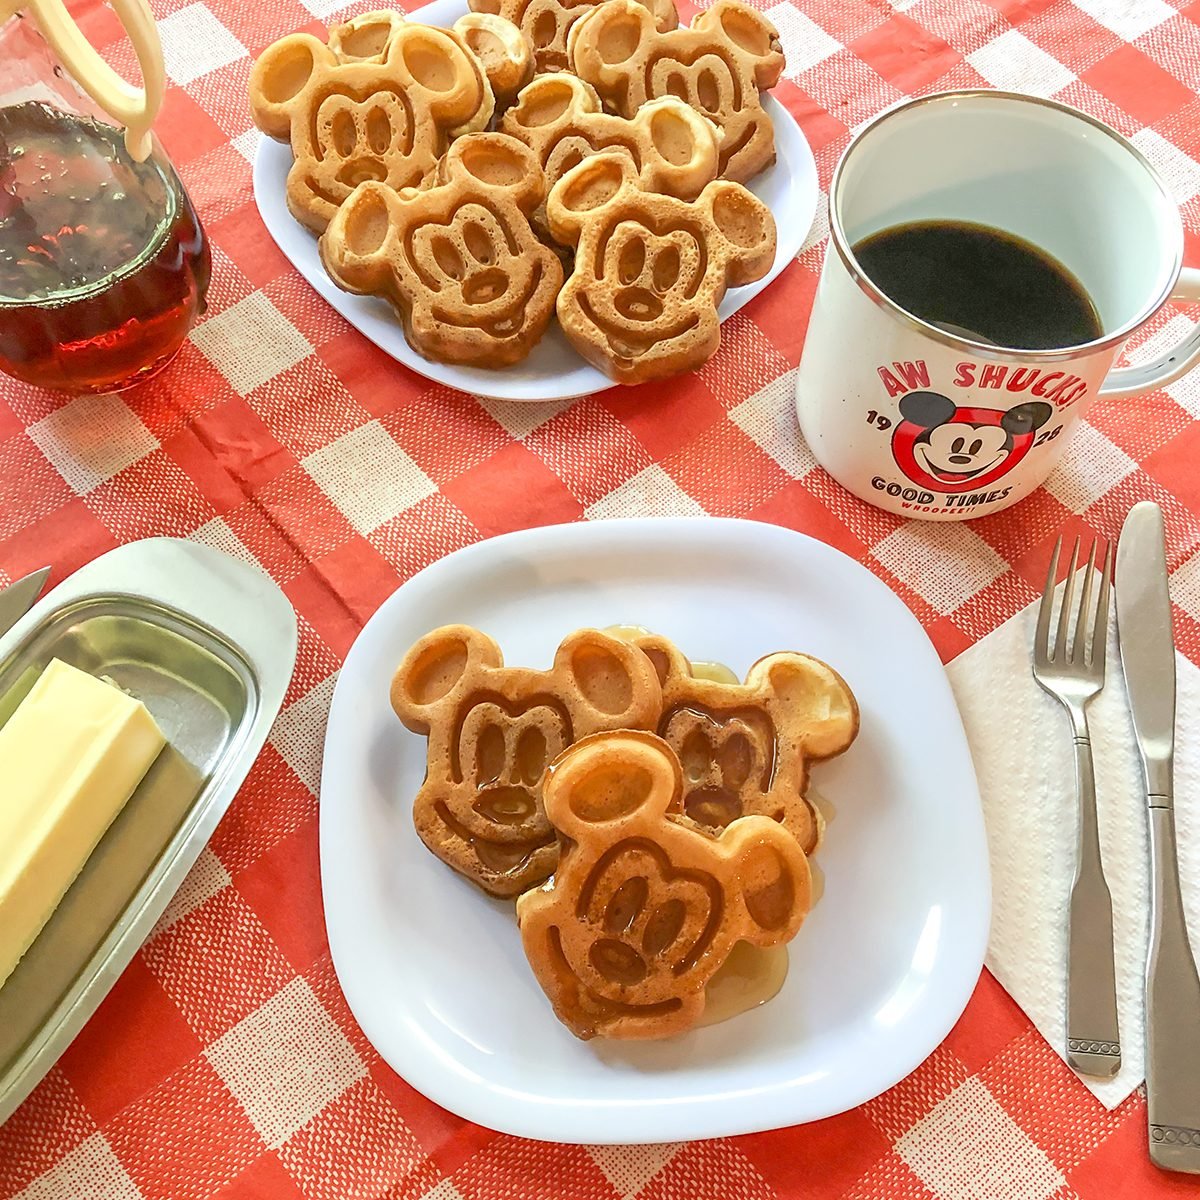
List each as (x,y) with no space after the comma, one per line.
(1021,742)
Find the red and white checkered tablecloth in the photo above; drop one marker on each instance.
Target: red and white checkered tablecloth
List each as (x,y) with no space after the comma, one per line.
(225,1062)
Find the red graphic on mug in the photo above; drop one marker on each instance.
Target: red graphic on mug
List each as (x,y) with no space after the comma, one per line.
(939,445)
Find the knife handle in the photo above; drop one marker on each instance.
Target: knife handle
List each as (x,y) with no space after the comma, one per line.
(1093,1041)
(1172,1008)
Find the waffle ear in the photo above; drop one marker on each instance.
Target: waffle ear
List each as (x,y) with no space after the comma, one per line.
(814,697)
(776,881)
(280,81)
(611,676)
(434,673)
(667,659)
(442,70)
(365,38)
(586,190)
(552,99)
(500,162)
(680,155)
(607,777)
(745,225)
(354,246)
(502,49)
(609,36)
(752,35)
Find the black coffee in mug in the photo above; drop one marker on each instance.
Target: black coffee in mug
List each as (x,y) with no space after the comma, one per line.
(981,283)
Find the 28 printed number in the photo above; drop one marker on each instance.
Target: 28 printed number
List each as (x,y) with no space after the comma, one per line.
(874,418)
(1048,435)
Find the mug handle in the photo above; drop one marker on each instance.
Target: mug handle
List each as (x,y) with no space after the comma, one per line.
(1168,366)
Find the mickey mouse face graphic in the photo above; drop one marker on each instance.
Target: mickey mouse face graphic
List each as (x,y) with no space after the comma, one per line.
(939,445)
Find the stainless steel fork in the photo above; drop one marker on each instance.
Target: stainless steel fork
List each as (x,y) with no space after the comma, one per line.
(1073,671)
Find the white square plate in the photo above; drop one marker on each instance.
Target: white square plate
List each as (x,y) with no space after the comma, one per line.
(553,370)
(433,970)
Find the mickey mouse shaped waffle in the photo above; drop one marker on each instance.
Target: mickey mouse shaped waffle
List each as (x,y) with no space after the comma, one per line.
(650,270)
(746,747)
(492,732)
(559,117)
(547,23)
(359,120)
(645,907)
(718,66)
(458,259)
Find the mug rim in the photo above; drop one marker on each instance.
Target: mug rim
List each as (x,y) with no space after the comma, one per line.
(982,349)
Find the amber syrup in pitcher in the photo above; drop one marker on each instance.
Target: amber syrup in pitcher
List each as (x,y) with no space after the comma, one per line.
(103,263)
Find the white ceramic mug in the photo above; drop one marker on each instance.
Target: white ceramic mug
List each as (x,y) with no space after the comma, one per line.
(926,423)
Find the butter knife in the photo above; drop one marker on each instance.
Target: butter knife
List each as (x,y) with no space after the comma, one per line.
(17,599)
(1172,986)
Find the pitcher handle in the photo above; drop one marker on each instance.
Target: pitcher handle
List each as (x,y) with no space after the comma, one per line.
(1168,366)
(133,107)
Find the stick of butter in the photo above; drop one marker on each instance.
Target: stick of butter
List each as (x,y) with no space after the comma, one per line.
(70,757)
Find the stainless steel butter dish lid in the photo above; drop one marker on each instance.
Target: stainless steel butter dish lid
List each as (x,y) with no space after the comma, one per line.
(208,644)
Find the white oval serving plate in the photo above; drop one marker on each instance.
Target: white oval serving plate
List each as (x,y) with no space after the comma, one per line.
(433,970)
(553,370)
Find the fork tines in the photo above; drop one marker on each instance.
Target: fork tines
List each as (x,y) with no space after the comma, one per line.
(1087,647)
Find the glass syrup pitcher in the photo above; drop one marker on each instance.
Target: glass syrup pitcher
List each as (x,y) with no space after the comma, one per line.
(103,263)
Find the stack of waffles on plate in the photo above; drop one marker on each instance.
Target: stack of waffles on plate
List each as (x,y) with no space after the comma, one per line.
(541,159)
(647,819)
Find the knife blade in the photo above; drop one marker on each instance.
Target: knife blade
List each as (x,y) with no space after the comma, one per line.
(17,599)
(1172,984)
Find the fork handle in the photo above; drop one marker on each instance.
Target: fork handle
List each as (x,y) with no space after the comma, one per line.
(1093,1041)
